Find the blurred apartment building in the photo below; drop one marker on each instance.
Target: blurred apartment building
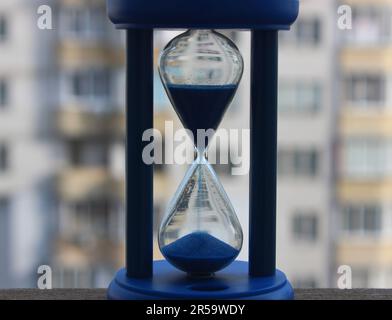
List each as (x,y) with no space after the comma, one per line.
(90,127)
(86,84)
(364,185)
(62,144)
(306,72)
(26,154)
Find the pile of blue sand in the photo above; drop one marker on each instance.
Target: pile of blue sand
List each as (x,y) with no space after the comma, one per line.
(199,253)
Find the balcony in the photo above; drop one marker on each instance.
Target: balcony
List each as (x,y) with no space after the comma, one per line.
(364,252)
(82,256)
(74,53)
(73,122)
(76,184)
(373,121)
(353,190)
(366,59)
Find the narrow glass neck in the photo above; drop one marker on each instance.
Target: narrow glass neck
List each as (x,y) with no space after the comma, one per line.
(200,155)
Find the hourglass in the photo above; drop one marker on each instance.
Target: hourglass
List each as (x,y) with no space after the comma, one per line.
(200,70)
(200,236)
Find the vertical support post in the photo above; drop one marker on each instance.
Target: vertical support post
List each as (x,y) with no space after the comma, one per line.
(263,124)
(139,176)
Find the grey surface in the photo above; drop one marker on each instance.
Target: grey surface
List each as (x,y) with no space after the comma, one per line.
(100,294)
(337,294)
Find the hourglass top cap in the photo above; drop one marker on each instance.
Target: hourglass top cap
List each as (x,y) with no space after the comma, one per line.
(203,14)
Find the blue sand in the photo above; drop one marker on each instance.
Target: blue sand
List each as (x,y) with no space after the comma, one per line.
(199,253)
(201,106)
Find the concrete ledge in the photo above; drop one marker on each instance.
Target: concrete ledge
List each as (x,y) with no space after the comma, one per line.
(100,294)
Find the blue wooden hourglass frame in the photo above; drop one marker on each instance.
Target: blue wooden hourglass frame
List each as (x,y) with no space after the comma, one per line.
(143,278)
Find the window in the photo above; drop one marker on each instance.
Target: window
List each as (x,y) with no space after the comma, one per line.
(77,23)
(298,162)
(361,218)
(84,23)
(3,93)
(366,158)
(306,31)
(4,204)
(89,154)
(365,89)
(305,226)
(91,83)
(371,25)
(91,220)
(94,154)
(3,28)
(4,158)
(299,98)
(92,88)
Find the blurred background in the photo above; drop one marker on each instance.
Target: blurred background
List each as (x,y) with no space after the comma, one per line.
(62,134)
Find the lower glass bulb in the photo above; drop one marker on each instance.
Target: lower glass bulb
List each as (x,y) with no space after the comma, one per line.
(201,233)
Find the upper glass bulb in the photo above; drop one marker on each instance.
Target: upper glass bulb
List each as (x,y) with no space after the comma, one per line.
(201,57)
(200,70)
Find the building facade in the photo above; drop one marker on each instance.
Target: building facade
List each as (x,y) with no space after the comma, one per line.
(86,123)
(90,129)
(26,162)
(62,136)
(364,192)
(306,111)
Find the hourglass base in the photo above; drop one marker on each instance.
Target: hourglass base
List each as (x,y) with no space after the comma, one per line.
(233,282)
